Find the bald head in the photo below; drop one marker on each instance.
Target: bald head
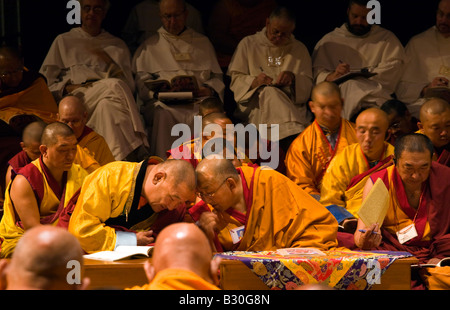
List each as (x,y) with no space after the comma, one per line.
(326,89)
(190,246)
(33,132)
(40,259)
(53,131)
(11,63)
(180,172)
(214,168)
(72,111)
(326,105)
(435,121)
(371,127)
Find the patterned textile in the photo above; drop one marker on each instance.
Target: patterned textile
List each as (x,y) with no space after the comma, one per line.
(340,269)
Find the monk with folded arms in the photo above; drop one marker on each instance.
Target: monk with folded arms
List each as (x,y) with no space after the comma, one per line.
(182,260)
(256,209)
(418,217)
(310,153)
(40,192)
(344,181)
(129,203)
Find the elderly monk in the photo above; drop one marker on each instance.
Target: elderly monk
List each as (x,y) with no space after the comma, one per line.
(89,62)
(175,50)
(255,209)
(272,66)
(418,217)
(73,112)
(311,152)
(39,194)
(435,124)
(41,261)
(427,68)
(127,203)
(191,268)
(355,46)
(344,180)
(23,92)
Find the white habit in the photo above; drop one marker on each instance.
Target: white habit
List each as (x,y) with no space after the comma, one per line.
(379,50)
(271,105)
(77,57)
(159,58)
(428,57)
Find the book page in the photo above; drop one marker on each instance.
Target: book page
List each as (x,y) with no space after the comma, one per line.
(375,206)
(121,252)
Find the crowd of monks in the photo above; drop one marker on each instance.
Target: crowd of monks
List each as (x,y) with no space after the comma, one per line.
(89,162)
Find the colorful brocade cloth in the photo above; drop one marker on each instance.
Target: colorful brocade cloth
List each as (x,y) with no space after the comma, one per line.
(339,269)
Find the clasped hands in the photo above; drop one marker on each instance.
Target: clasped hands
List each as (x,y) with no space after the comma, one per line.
(285,78)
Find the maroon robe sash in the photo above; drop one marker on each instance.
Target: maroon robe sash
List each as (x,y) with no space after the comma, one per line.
(87,130)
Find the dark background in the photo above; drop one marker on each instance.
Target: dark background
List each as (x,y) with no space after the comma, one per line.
(42,21)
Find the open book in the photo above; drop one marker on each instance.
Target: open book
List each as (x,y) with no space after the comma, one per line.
(122,252)
(181,87)
(354,74)
(374,208)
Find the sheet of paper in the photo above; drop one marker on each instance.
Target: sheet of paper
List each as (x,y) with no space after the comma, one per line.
(375,206)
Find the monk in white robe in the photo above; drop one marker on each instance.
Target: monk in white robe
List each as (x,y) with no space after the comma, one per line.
(428,62)
(354,46)
(91,63)
(273,57)
(175,50)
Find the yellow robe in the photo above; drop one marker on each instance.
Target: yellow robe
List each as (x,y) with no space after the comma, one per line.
(282,215)
(85,159)
(106,193)
(98,147)
(36,99)
(348,164)
(10,232)
(310,153)
(177,279)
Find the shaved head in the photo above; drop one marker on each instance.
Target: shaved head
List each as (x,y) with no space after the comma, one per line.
(217,168)
(433,106)
(33,132)
(52,131)
(435,121)
(326,89)
(183,246)
(40,259)
(180,171)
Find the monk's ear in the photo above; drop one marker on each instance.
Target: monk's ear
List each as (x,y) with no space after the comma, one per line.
(43,148)
(419,125)
(311,104)
(158,177)
(214,270)
(22,145)
(150,271)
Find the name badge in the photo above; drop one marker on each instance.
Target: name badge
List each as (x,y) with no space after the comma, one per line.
(237,234)
(182,56)
(407,233)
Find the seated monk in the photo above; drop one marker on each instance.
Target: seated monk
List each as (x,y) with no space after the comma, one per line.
(344,180)
(191,268)
(401,122)
(72,111)
(419,195)
(128,203)
(435,124)
(40,192)
(24,94)
(210,105)
(40,261)
(31,141)
(255,209)
(310,153)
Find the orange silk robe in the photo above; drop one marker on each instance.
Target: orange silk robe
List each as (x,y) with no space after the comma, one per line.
(177,279)
(310,153)
(279,215)
(346,176)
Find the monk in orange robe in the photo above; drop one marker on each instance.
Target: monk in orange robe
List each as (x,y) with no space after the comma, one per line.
(418,217)
(23,92)
(181,260)
(257,209)
(435,124)
(310,153)
(72,112)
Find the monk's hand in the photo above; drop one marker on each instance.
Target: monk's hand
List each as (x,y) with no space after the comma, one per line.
(261,79)
(208,223)
(368,238)
(145,237)
(437,82)
(342,69)
(285,78)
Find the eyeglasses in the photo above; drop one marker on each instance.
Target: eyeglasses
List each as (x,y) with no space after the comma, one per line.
(95,9)
(8,74)
(170,16)
(210,195)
